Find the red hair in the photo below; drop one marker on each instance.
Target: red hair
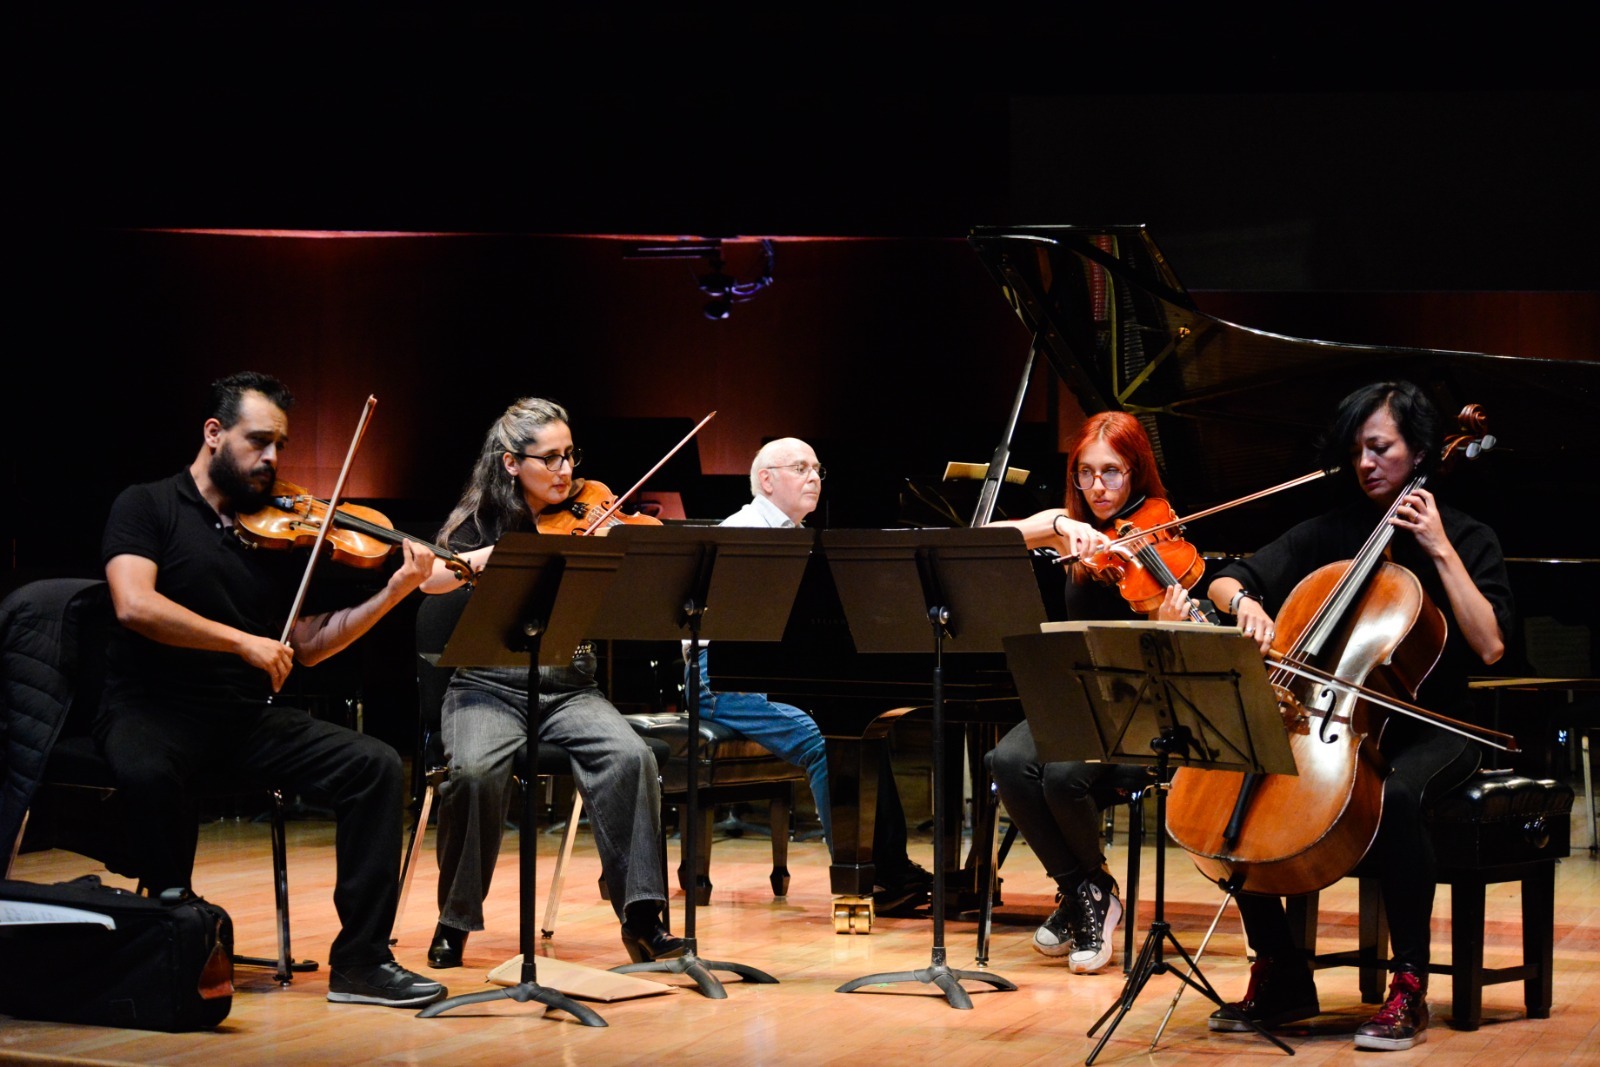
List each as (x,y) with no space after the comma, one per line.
(1123,434)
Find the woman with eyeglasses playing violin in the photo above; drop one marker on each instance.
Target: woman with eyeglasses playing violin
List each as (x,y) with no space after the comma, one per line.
(1057,806)
(523,479)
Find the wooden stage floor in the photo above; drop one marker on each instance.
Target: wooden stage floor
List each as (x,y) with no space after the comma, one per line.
(803,1019)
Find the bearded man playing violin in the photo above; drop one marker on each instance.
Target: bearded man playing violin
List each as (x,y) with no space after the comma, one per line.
(1057,806)
(193,665)
(523,476)
(1386,434)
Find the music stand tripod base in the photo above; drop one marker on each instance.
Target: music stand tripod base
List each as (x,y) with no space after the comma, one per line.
(522,993)
(938,973)
(699,970)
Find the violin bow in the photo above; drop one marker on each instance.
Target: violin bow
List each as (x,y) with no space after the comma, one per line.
(1302,480)
(327,524)
(617,503)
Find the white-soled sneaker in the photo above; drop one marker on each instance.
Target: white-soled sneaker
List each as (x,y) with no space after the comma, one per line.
(1054,936)
(385,983)
(1095,917)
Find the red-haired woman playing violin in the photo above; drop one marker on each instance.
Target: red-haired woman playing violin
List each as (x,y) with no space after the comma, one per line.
(1057,806)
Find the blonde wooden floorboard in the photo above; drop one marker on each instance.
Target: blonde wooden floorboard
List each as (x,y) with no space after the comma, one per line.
(802,1020)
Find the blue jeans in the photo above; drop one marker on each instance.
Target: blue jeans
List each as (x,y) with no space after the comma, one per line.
(785,730)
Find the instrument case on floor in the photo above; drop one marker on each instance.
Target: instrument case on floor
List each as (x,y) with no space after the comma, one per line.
(165,964)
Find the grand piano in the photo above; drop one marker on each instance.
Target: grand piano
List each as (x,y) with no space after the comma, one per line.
(1230,410)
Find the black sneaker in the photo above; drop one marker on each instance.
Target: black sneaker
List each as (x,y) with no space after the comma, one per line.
(385,983)
(1402,1021)
(1054,936)
(1095,913)
(1281,991)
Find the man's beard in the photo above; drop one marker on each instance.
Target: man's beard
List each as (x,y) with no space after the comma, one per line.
(235,484)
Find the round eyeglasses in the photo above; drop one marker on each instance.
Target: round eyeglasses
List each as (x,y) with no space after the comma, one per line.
(801,469)
(1111,478)
(553,461)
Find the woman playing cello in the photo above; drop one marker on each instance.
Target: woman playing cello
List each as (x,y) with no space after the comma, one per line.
(523,477)
(1388,433)
(1057,806)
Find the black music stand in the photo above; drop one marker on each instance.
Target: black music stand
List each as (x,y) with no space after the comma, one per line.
(672,579)
(1119,691)
(531,605)
(972,587)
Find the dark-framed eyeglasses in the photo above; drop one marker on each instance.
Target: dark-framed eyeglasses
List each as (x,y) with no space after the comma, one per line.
(801,469)
(1112,478)
(553,461)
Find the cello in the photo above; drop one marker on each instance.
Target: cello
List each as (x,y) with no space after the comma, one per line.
(1354,641)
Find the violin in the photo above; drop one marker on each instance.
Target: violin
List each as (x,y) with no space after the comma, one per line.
(359,537)
(1143,565)
(591,510)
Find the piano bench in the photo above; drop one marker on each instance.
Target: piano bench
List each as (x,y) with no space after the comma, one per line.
(1496,827)
(732,769)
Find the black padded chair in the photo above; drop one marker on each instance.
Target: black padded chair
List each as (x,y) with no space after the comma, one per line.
(1496,827)
(59,791)
(436,619)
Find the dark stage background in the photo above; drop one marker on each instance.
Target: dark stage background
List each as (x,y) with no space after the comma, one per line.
(434,209)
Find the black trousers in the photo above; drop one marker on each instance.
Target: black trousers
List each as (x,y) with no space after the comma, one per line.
(1057,806)
(165,754)
(1423,764)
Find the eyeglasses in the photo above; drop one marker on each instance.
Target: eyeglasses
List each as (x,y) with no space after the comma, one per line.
(801,469)
(553,461)
(1111,478)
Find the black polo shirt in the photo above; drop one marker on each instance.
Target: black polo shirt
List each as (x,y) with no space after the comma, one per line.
(204,567)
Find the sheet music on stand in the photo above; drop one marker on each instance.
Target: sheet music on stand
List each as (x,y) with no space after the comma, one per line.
(1209,681)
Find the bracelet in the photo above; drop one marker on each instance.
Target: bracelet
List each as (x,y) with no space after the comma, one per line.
(1055,527)
(1242,594)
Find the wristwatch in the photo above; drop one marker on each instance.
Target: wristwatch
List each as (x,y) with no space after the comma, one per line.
(1242,594)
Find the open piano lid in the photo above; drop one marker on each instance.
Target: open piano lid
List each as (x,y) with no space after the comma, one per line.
(1232,410)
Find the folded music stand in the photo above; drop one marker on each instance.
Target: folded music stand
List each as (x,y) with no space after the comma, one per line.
(972,586)
(532,605)
(702,583)
(1142,693)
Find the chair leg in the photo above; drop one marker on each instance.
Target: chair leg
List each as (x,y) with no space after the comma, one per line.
(696,869)
(285,964)
(778,818)
(16,845)
(1374,941)
(1466,953)
(548,930)
(1130,890)
(986,836)
(408,866)
(280,887)
(1538,940)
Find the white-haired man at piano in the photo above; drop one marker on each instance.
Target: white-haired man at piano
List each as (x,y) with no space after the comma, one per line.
(785,486)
